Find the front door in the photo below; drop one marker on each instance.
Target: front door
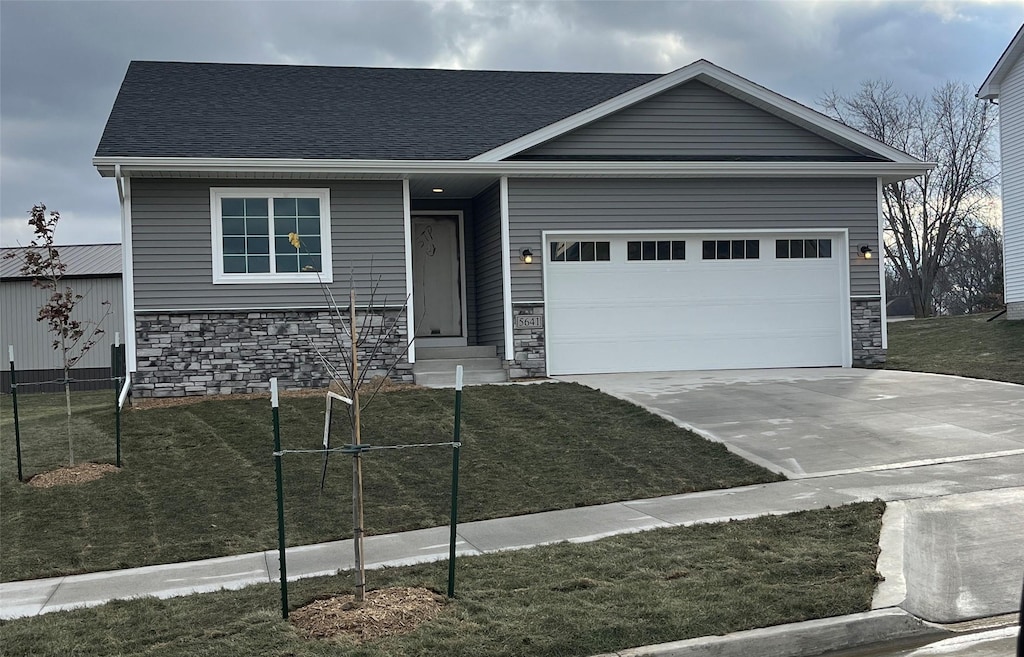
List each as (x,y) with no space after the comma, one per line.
(436,277)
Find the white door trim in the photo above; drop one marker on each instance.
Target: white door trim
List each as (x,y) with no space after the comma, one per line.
(462,339)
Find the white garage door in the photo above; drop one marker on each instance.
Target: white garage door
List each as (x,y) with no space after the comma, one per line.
(648,303)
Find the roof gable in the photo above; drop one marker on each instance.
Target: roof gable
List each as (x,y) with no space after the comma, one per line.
(990,87)
(692,121)
(172,109)
(719,78)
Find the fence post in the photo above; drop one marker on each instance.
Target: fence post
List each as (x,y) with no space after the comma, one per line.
(280,497)
(455,482)
(14,401)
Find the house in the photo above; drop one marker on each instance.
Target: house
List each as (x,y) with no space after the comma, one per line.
(1005,84)
(537,223)
(93,271)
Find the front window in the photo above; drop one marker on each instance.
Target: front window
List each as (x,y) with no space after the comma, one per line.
(254,231)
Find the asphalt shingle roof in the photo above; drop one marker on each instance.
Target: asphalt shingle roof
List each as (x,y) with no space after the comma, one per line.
(173,109)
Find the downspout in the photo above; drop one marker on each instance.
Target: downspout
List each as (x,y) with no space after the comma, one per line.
(127,273)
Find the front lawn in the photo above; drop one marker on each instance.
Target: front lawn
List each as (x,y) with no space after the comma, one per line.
(198,480)
(966,346)
(565,599)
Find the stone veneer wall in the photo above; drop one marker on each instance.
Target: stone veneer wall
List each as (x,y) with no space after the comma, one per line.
(528,342)
(866,331)
(208,353)
(1015,310)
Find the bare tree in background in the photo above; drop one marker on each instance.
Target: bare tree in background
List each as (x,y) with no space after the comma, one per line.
(972,281)
(928,216)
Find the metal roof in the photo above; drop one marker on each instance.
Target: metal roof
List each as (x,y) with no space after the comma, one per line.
(175,109)
(81,260)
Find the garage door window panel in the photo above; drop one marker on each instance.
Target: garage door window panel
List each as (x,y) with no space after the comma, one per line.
(803,249)
(580,251)
(648,250)
(731,249)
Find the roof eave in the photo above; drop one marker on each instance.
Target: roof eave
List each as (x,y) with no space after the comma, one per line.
(402,169)
(990,87)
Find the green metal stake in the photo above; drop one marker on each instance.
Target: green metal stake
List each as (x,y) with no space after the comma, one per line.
(455,481)
(280,498)
(14,400)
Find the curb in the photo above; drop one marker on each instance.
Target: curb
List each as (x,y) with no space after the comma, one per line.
(804,639)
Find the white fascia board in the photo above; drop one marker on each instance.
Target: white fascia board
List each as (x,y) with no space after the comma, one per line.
(990,87)
(402,169)
(727,81)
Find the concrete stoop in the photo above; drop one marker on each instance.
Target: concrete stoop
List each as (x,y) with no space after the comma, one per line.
(435,366)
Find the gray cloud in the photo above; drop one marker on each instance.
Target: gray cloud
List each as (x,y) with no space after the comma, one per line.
(62,62)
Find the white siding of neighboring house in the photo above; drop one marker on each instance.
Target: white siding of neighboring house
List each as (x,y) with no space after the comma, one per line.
(1011,130)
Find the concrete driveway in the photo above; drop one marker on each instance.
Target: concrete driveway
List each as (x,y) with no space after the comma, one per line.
(815,422)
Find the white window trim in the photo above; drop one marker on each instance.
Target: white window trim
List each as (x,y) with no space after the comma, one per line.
(326,275)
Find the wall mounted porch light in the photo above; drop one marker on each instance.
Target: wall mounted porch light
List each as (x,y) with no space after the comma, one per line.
(526,255)
(865,251)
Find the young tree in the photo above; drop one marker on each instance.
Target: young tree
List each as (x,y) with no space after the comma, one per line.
(927,216)
(72,337)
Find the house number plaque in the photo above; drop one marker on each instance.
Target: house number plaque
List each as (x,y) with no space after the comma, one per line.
(529,321)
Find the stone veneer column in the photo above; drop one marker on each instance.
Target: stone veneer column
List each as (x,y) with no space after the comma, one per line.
(528,342)
(208,353)
(866,331)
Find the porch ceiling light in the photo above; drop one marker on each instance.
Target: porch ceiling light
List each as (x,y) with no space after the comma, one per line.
(526,255)
(865,251)
(437,190)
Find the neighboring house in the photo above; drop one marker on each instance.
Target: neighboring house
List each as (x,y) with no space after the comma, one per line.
(1006,84)
(545,223)
(94,271)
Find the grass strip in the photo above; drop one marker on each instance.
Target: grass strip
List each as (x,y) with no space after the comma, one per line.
(967,346)
(198,480)
(565,599)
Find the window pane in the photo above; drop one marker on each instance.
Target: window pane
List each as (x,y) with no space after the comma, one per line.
(664,250)
(234,245)
(753,249)
(255,207)
(678,250)
(311,244)
(632,250)
(309,226)
(284,207)
(259,245)
(259,264)
(781,248)
(257,226)
(283,246)
(287,263)
(309,262)
(309,207)
(572,252)
(232,207)
(810,248)
(796,248)
(587,253)
(824,248)
(233,226)
(709,249)
(234,264)
(284,226)
(737,249)
(604,251)
(558,251)
(650,251)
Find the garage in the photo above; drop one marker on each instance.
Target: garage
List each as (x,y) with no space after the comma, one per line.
(647,302)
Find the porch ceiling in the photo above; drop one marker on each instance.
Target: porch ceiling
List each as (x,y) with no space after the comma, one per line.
(459,186)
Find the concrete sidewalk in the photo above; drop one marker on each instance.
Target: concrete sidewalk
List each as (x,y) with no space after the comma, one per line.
(1004,476)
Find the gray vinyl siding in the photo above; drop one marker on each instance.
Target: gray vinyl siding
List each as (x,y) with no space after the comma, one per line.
(691,120)
(690,204)
(466,207)
(33,343)
(490,320)
(173,253)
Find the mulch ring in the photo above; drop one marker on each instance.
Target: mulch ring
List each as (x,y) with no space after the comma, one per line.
(69,475)
(386,612)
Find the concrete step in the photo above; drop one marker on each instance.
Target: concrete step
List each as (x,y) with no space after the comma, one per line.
(448,365)
(447,379)
(434,353)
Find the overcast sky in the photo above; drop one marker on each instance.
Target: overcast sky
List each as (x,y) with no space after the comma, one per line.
(61,63)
